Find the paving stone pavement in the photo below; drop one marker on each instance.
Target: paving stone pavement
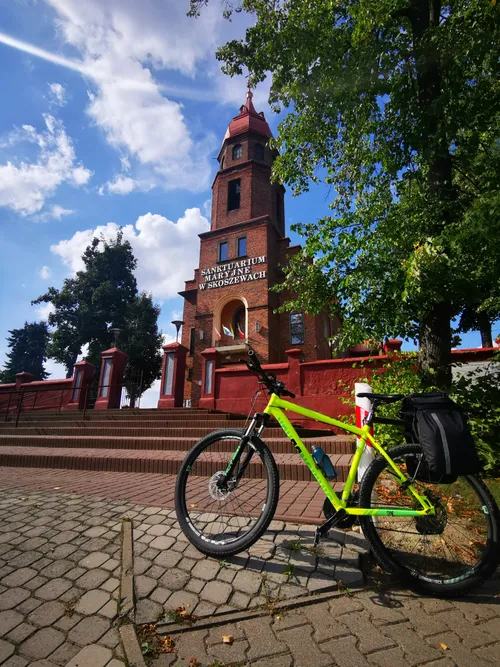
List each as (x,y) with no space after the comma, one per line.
(59,580)
(169,572)
(367,628)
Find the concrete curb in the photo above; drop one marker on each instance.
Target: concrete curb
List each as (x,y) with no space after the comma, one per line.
(226,617)
(126,603)
(131,647)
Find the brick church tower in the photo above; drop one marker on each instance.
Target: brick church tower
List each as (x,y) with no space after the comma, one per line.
(229,305)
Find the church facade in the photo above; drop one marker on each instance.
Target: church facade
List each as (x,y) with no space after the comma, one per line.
(229,304)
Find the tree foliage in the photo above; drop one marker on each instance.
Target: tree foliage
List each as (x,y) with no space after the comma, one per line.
(395,104)
(28,352)
(104,295)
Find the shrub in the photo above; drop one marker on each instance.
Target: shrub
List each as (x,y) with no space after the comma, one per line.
(477,391)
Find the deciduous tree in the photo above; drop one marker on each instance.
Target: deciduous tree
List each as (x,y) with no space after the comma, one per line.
(395,104)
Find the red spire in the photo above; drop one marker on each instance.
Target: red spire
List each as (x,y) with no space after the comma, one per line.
(248,120)
(249,104)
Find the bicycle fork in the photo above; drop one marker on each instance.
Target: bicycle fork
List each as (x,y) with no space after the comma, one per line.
(256,427)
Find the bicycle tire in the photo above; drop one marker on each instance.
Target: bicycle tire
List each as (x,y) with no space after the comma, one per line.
(414,580)
(203,543)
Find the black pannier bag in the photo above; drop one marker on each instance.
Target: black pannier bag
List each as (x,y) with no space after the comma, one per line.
(440,426)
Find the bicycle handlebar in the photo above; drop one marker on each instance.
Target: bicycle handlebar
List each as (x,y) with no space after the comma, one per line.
(273,385)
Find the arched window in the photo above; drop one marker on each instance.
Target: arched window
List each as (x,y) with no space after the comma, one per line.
(237,151)
(258,151)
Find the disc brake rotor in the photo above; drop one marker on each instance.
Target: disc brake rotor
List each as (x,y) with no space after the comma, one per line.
(432,524)
(214,488)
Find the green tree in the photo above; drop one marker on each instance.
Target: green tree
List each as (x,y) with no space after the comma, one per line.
(395,104)
(104,295)
(28,352)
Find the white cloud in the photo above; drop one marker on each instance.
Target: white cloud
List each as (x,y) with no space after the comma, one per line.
(25,186)
(43,310)
(207,208)
(45,272)
(56,370)
(58,211)
(57,94)
(122,185)
(121,43)
(150,397)
(165,250)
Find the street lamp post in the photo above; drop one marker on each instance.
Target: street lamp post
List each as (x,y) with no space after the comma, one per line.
(116,332)
(177,324)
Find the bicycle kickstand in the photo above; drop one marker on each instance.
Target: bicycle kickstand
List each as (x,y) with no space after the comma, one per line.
(322,530)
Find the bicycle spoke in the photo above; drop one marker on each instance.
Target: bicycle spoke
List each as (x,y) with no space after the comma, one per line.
(444,545)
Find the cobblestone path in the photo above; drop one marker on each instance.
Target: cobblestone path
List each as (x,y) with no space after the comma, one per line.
(362,630)
(59,579)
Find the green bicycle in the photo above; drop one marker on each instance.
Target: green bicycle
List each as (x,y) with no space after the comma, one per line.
(441,539)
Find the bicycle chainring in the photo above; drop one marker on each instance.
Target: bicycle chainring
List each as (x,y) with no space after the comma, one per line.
(349,520)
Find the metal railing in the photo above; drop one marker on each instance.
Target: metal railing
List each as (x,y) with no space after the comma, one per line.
(17,401)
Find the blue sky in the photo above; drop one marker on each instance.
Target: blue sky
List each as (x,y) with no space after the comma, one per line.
(118,123)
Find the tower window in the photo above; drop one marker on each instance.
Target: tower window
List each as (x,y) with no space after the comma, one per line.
(223,251)
(297,329)
(242,246)
(233,194)
(237,151)
(258,152)
(222,163)
(191,341)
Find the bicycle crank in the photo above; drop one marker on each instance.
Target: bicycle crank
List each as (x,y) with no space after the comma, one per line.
(349,520)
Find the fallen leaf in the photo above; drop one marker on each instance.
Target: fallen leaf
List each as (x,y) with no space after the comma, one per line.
(56,488)
(192,505)
(444,647)
(73,491)
(227,639)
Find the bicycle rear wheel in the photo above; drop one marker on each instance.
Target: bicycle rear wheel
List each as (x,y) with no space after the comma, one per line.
(443,555)
(223,521)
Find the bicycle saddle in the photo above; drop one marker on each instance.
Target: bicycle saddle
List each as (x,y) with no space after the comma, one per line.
(382,398)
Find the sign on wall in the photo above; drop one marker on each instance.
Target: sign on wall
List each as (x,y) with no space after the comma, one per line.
(232,273)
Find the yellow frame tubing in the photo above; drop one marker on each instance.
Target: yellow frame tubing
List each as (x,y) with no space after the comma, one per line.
(276,407)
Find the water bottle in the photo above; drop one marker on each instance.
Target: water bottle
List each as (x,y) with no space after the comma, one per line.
(323,461)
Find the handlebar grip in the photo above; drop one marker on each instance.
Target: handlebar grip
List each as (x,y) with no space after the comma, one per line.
(288,393)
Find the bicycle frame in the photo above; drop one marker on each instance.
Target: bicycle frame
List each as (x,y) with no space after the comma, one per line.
(276,407)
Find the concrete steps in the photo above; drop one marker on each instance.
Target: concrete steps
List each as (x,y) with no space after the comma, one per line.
(147,441)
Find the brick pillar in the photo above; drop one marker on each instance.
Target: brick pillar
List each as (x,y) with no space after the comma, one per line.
(23,378)
(392,345)
(83,372)
(293,382)
(172,376)
(209,364)
(111,379)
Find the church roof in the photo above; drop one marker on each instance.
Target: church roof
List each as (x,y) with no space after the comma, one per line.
(248,120)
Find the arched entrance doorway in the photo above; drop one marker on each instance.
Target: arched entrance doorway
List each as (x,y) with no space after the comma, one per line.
(230,315)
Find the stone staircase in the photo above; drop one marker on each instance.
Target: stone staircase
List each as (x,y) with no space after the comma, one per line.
(154,441)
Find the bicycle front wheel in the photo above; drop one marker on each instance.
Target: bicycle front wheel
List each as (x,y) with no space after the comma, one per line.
(223,520)
(444,555)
